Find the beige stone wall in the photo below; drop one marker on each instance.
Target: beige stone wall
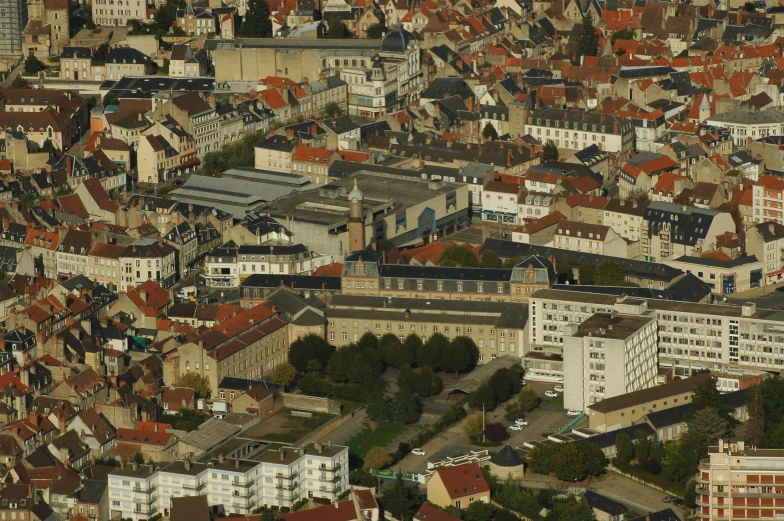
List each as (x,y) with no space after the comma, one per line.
(311,403)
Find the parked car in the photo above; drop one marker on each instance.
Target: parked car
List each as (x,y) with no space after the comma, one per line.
(572,412)
(418,452)
(671,499)
(523,383)
(551,394)
(177,182)
(780,288)
(558,388)
(515,427)
(521,421)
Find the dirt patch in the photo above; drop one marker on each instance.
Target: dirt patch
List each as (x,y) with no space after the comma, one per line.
(286,428)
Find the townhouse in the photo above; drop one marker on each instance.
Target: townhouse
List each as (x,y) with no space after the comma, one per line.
(768,199)
(576,130)
(228,266)
(148,259)
(589,238)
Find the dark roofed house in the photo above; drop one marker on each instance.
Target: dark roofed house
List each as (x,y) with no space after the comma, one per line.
(507,462)
(604,508)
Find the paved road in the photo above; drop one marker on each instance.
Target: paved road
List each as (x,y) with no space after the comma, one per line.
(344,432)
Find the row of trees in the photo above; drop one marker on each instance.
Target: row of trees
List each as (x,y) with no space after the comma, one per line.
(510,494)
(499,388)
(438,353)
(568,462)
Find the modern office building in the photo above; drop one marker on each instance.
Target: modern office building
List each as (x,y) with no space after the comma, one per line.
(12,23)
(609,354)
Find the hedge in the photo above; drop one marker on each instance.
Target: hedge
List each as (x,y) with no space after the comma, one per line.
(653,479)
(453,415)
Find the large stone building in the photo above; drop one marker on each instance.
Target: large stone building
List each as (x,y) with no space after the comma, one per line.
(497,328)
(48,22)
(576,130)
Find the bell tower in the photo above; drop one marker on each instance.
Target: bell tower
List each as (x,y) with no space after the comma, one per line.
(356,220)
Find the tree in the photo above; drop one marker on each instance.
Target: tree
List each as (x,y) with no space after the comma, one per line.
(256,23)
(479,511)
(33,65)
(709,423)
(362,477)
(472,426)
(489,259)
(200,384)
(378,407)
(332,110)
(706,394)
(9,479)
(642,447)
(185,419)
(368,340)
(459,355)
(311,347)
(489,132)
(638,197)
(377,458)
(394,353)
(343,363)
(528,400)
(406,378)
(337,29)
(609,273)
(20,83)
(375,31)
(588,43)
(431,353)
(564,271)
(772,390)
(571,510)
(595,462)
(624,449)
(457,255)
(586,273)
(755,425)
(48,147)
(400,500)
(405,407)
(550,151)
(314,366)
(540,459)
(496,432)
(89,25)
(101,51)
(482,395)
(750,7)
(569,463)
(428,383)
(284,374)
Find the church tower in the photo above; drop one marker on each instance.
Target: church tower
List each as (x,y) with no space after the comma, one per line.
(356,220)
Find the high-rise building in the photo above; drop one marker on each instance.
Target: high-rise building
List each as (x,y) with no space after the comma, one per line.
(13,19)
(739,481)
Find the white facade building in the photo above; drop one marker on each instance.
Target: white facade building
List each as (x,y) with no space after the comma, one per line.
(576,130)
(280,478)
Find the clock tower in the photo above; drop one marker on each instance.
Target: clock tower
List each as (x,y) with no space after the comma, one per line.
(356,220)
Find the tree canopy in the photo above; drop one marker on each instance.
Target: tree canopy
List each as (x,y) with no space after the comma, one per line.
(550,151)
(457,255)
(311,347)
(256,23)
(589,42)
(489,132)
(199,384)
(609,273)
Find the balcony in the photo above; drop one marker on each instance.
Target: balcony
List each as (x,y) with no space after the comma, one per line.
(198,486)
(282,486)
(336,468)
(289,477)
(248,483)
(247,506)
(329,479)
(147,490)
(244,495)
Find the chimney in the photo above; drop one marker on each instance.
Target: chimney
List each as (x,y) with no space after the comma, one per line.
(68,165)
(221,458)
(156,427)
(237,463)
(160,241)
(187,464)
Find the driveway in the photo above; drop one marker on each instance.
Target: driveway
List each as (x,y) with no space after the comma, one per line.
(344,432)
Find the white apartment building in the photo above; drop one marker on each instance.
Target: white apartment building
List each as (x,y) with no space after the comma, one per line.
(280,478)
(499,202)
(148,260)
(589,238)
(625,218)
(609,354)
(228,266)
(692,336)
(371,92)
(576,130)
(747,123)
(766,242)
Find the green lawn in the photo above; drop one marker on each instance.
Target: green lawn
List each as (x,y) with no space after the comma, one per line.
(384,433)
(558,402)
(347,407)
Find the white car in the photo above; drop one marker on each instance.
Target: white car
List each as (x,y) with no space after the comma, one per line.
(418,452)
(558,388)
(523,383)
(572,412)
(515,427)
(521,421)
(551,394)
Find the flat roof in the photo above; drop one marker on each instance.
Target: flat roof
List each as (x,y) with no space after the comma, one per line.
(615,327)
(624,401)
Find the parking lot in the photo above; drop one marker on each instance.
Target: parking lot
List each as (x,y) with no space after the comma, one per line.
(545,419)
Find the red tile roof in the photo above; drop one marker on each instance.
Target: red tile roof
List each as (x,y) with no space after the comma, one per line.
(145,437)
(342,511)
(311,155)
(330,270)
(463,480)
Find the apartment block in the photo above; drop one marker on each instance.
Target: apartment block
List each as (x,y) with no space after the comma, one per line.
(768,202)
(232,486)
(692,337)
(576,130)
(589,238)
(609,354)
(228,266)
(738,481)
